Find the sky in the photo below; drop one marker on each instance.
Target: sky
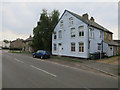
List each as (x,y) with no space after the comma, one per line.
(17,19)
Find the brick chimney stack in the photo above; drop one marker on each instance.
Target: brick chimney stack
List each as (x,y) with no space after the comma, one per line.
(85,16)
(92,19)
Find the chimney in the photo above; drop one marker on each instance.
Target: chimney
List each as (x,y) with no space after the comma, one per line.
(92,19)
(85,16)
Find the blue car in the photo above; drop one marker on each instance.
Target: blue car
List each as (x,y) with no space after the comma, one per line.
(41,54)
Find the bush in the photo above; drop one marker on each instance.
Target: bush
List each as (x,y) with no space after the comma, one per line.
(15,49)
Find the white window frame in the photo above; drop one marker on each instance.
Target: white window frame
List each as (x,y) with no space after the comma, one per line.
(55,47)
(73,47)
(91,33)
(60,34)
(100,34)
(55,34)
(61,24)
(73,32)
(99,46)
(81,31)
(81,47)
(71,21)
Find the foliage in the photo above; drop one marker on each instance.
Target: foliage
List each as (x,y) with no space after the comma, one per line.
(42,38)
(6,41)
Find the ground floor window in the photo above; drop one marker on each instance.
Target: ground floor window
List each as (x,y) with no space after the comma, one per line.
(54,47)
(81,47)
(99,46)
(73,47)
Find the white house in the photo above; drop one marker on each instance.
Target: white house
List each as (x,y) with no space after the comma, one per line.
(78,36)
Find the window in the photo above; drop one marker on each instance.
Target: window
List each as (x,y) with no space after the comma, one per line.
(91,33)
(111,48)
(71,21)
(60,34)
(81,31)
(73,32)
(73,47)
(100,34)
(99,46)
(55,36)
(61,24)
(81,47)
(54,47)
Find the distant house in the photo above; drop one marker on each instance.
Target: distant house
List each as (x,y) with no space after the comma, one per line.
(18,43)
(78,36)
(27,45)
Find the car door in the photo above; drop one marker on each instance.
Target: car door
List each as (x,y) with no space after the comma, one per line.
(37,53)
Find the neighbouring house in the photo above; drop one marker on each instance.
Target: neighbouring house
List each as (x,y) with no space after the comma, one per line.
(78,36)
(117,52)
(18,43)
(27,45)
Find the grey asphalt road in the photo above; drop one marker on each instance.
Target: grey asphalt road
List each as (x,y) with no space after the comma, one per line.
(20,71)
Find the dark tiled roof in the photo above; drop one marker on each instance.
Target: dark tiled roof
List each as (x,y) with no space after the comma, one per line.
(118,41)
(91,23)
(28,39)
(112,43)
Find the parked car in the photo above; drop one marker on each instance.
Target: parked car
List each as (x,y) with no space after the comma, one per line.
(41,54)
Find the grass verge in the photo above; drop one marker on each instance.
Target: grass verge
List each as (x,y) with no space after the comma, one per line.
(15,52)
(65,59)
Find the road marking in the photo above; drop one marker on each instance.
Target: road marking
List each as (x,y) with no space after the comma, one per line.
(19,60)
(43,71)
(87,88)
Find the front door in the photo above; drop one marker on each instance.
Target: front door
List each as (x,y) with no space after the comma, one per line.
(59,48)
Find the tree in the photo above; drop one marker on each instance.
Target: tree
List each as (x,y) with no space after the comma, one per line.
(6,42)
(43,31)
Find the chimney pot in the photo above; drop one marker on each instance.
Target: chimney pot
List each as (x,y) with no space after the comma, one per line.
(92,19)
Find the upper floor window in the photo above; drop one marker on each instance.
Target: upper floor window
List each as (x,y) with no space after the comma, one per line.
(73,47)
(81,31)
(81,47)
(100,34)
(60,34)
(55,35)
(71,21)
(61,23)
(91,33)
(72,32)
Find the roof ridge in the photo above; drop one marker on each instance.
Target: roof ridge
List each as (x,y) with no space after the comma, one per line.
(92,23)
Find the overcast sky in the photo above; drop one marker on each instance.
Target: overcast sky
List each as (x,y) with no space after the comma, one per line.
(19,18)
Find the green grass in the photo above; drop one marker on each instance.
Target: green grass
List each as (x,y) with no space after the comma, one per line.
(65,59)
(114,56)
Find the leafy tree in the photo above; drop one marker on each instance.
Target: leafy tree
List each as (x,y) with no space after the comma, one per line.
(43,31)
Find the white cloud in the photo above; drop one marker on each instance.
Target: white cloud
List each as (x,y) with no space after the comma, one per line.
(9,35)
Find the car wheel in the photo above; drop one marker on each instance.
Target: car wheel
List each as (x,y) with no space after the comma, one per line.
(34,56)
(41,57)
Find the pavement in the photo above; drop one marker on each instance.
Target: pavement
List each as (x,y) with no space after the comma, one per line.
(23,71)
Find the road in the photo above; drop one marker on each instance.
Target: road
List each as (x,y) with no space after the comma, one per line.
(20,71)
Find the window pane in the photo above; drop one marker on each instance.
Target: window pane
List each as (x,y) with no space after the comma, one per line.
(54,47)
(73,32)
(81,47)
(72,46)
